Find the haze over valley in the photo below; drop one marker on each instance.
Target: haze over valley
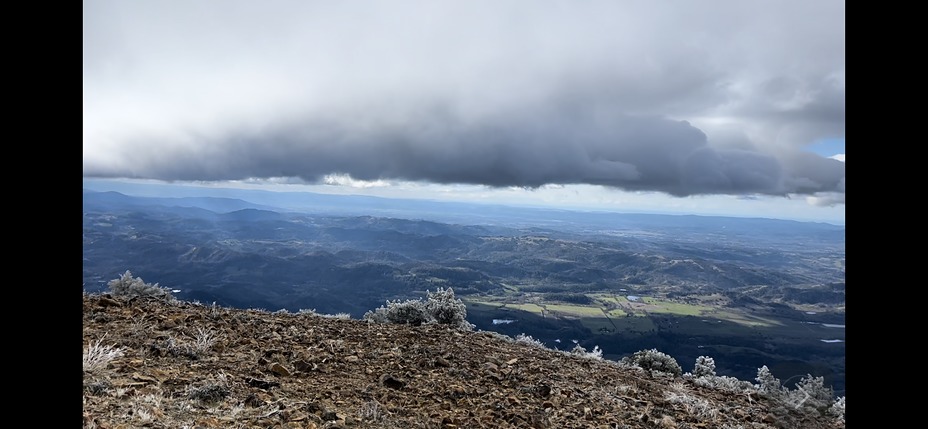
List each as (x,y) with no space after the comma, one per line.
(746,291)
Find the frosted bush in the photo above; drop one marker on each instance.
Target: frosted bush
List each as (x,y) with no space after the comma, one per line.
(837,409)
(527,339)
(439,307)
(705,366)
(811,392)
(446,309)
(581,351)
(411,312)
(654,361)
(725,383)
(98,356)
(768,384)
(128,286)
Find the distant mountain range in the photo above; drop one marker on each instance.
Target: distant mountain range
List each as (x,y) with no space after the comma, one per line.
(220,238)
(344,254)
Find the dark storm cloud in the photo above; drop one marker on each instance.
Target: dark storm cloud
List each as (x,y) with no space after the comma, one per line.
(629,95)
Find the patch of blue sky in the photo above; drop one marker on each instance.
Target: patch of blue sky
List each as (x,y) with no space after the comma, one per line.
(827,147)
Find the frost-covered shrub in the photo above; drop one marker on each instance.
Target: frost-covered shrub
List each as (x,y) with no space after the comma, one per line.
(725,383)
(694,405)
(527,339)
(439,307)
(704,375)
(446,309)
(339,316)
(811,392)
(98,356)
(411,312)
(128,286)
(654,361)
(705,366)
(816,389)
(810,396)
(203,340)
(769,385)
(312,312)
(581,351)
(837,409)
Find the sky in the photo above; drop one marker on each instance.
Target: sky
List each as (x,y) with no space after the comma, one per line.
(724,107)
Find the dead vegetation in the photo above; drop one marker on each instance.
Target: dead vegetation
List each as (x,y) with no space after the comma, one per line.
(157,364)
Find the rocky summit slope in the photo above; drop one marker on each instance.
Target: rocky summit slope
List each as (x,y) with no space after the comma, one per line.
(148,363)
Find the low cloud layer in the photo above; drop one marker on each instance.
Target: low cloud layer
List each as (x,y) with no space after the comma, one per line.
(712,97)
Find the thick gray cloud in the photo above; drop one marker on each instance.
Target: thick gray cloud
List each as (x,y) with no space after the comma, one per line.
(682,97)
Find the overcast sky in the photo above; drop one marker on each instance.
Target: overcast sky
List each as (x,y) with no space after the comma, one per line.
(713,106)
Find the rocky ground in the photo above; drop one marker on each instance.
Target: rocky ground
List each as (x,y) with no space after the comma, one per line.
(186,365)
